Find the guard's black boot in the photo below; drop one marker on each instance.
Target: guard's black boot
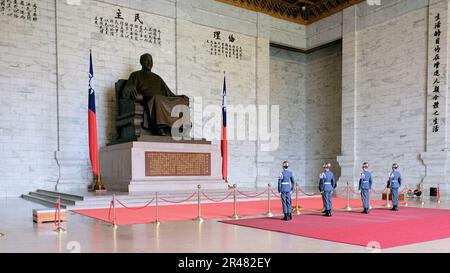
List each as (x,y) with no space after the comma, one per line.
(284,218)
(367,211)
(327,213)
(330,213)
(395,208)
(290,216)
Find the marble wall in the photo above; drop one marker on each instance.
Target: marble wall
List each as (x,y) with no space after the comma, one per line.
(288,89)
(308,89)
(28,97)
(323,111)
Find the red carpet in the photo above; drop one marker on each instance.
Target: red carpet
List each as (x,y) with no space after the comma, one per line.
(209,211)
(388,228)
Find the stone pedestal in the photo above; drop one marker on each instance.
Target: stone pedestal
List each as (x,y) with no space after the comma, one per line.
(150,166)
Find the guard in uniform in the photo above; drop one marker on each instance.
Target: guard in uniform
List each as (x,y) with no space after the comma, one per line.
(365,185)
(285,188)
(394,183)
(327,184)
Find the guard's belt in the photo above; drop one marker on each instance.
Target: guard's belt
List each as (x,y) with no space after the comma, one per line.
(327,183)
(285,183)
(365,181)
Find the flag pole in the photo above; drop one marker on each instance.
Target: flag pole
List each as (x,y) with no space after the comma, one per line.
(93,141)
(224,139)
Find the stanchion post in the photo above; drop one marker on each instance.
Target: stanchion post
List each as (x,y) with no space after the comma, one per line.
(388,205)
(297,208)
(199,217)
(235,215)
(114,225)
(347,207)
(1,234)
(157,222)
(439,194)
(269,212)
(58,229)
(406,196)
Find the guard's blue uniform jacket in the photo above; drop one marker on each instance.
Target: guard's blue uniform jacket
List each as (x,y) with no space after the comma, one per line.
(285,187)
(395,181)
(365,184)
(327,184)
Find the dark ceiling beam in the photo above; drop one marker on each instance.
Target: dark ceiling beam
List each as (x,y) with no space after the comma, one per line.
(293,11)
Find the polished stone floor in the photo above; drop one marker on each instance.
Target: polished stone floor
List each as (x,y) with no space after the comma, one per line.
(89,235)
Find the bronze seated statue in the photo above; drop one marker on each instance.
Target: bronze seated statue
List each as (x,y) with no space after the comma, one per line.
(145,104)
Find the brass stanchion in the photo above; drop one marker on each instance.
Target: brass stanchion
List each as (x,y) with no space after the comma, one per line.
(406,196)
(269,212)
(297,208)
(347,207)
(235,215)
(59,229)
(388,205)
(114,211)
(199,217)
(438,194)
(422,202)
(157,222)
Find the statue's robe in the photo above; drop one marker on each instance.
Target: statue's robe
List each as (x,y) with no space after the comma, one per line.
(158,99)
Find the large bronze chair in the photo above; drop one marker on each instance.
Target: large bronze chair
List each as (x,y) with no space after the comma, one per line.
(130,114)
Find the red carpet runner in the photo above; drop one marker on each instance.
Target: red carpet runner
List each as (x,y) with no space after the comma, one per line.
(385,227)
(209,211)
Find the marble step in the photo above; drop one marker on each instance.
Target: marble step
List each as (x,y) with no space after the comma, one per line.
(61,194)
(51,203)
(50,197)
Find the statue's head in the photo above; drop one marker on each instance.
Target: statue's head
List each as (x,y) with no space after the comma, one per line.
(146,61)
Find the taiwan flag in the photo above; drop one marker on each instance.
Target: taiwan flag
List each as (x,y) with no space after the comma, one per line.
(224,142)
(92,120)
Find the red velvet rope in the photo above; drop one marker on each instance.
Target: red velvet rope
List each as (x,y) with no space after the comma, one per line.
(342,191)
(308,194)
(179,201)
(353,190)
(251,196)
(136,208)
(405,190)
(381,192)
(275,194)
(219,200)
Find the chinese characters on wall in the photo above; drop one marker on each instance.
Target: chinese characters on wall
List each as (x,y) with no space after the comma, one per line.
(224,46)
(436,73)
(19,9)
(122,26)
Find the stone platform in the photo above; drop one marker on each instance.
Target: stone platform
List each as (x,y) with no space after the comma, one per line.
(156,163)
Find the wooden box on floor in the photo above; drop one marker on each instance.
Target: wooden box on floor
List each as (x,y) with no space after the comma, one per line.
(47,215)
(401,196)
